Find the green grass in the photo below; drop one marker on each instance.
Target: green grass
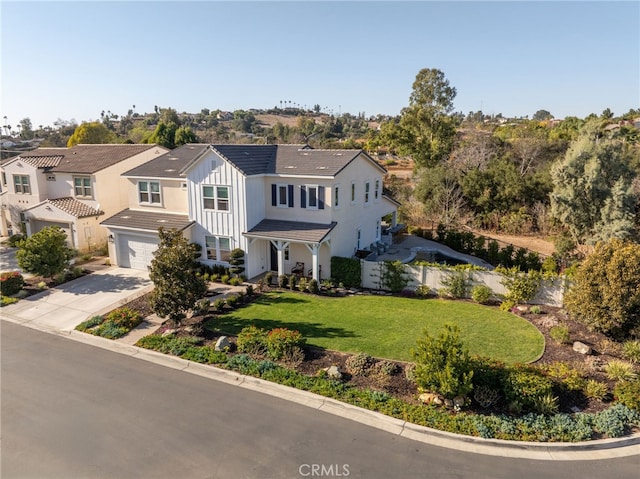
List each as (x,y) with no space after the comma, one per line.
(387,327)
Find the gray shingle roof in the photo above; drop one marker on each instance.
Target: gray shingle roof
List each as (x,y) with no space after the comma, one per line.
(286,159)
(92,158)
(249,159)
(85,159)
(291,230)
(147,220)
(171,164)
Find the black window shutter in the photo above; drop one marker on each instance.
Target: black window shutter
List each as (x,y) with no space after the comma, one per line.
(274,195)
(303,196)
(290,190)
(320,197)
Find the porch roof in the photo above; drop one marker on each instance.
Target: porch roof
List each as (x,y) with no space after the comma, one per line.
(296,231)
(147,220)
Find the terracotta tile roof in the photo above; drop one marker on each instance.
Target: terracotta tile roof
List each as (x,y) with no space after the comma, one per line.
(147,220)
(291,230)
(75,208)
(48,161)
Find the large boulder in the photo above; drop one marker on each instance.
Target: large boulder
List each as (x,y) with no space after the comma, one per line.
(334,372)
(430,398)
(581,348)
(222,344)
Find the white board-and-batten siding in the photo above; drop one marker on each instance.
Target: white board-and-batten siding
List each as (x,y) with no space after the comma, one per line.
(214,171)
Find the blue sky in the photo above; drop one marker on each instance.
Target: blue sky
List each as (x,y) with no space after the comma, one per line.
(72,60)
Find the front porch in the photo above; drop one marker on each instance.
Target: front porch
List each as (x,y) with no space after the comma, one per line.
(292,247)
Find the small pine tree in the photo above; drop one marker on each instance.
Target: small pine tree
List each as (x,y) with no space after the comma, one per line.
(443,364)
(45,253)
(177,288)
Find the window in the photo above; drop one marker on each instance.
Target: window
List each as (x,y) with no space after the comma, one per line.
(4,178)
(218,248)
(358,238)
(312,197)
(353,192)
(21,184)
(376,192)
(367,189)
(281,195)
(378,230)
(215,198)
(82,186)
(336,196)
(149,192)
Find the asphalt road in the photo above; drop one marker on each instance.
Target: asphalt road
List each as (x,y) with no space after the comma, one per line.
(70,410)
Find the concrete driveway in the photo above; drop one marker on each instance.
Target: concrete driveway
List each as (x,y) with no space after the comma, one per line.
(62,308)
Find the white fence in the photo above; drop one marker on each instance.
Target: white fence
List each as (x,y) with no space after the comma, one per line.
(550,292)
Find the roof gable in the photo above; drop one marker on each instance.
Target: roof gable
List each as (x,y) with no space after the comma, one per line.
(172,164)
(92,158)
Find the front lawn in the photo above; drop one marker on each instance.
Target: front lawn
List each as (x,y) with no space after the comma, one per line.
(385,326)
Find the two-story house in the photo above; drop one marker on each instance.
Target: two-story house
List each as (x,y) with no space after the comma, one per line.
(282,204)
(73,188)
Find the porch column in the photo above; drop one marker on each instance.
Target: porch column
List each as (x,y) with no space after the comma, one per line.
(313,248)
(394,218)
(280,247)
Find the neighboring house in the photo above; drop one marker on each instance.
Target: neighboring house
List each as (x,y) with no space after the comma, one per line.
(73,188)
(281,204)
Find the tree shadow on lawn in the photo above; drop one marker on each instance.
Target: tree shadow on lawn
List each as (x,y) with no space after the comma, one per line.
(230,324)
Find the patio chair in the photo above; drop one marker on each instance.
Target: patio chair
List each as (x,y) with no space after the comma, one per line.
(298,269)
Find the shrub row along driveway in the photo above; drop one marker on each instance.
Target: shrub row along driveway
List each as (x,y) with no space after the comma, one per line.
(387,327)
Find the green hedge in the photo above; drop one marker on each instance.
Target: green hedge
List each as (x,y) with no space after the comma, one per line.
(347,271)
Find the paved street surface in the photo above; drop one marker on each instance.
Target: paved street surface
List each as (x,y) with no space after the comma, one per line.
(70,410)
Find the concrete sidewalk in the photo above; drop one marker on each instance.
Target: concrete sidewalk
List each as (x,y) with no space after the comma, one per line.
(62,308)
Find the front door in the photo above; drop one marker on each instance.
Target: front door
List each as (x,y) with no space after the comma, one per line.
(274,257)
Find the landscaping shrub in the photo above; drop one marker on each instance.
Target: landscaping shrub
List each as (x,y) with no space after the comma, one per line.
(384,369)
(14,240)
(283,341)
(302,285)
(521,287)
(628,393)
(252,340)
(394,277)
(619,370)
(202,307)
(11,282)
(596,390)
(293,279)
(235,281)
(456,284)
(90,323)
(225,278)
(423,291)
(615,421)
(631,351)
(233,300)
(443,364)
(249,291)
(525,387)
(204,355)
(347,271)
(481,294)
(359,364)
(268,278)
(218,304)
(283,281)
(313,286)
(124,317)
(560,334)
(486,396)
(6,300)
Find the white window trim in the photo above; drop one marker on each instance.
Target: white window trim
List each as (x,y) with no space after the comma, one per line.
(367,193)
(150,203)
(216,198)
(336,196)
(376,191)
(217,249)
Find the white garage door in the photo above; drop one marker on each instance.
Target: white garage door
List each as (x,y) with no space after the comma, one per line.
(39,225)
(136,251)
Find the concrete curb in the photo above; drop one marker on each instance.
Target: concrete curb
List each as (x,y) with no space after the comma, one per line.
(580,451)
